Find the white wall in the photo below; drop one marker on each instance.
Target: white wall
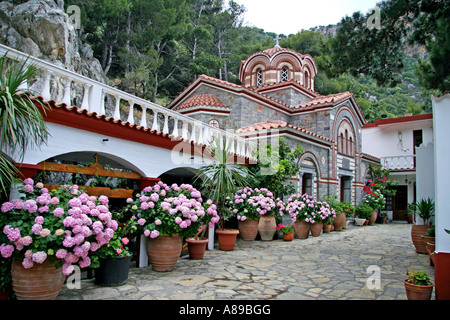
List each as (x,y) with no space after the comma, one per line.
(383,140)
(147,160)
(441,120)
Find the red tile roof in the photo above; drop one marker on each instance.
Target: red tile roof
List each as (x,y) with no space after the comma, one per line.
(202,99)
(324,100)
(380,122)
(278,124)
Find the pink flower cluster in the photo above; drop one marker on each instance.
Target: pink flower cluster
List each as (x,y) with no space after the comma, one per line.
(175,209)
(84,224)
(251,203)
(305,208)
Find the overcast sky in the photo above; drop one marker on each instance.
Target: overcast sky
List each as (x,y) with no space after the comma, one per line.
(291,16)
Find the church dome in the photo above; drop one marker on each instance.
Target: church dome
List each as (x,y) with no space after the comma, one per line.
(277,65)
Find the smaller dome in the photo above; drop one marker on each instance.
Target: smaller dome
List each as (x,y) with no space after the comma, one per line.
(202,99)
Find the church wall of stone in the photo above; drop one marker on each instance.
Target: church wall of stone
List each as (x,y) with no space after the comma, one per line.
(289,96)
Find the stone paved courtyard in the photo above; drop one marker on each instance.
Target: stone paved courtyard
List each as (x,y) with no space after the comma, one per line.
(334,266)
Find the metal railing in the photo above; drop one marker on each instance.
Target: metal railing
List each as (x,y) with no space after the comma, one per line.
(164,120)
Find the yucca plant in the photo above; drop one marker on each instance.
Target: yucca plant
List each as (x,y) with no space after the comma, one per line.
(21,123)
(221,178)
(425,209)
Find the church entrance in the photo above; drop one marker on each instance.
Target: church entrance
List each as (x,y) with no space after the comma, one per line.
(346,189)
(307,184)
(399,203)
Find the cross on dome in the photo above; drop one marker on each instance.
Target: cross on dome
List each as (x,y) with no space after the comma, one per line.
(277,39)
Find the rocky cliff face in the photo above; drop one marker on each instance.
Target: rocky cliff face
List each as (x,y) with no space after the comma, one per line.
(42,29)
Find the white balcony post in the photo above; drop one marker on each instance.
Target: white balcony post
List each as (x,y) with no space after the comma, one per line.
(143,122)
(130,118)
(184,133)
(46,89)
(117,108)
(87,89)
(66,98)
(155,126)
(175,127)
(166,123)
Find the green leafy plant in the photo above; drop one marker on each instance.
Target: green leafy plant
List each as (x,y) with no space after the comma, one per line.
(285,229)
(431,232)
(425,209)
(21,122)
(419,278)
(363,210)
(221,178)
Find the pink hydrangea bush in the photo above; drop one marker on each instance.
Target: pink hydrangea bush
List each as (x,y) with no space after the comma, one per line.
(65,224)
(305,208)
(171,210)
(251,203)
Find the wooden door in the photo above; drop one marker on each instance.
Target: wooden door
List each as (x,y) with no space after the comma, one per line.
(400,203)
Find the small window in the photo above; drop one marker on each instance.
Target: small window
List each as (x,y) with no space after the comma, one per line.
(284,74)
(306,79)
(259,78)
(214,123)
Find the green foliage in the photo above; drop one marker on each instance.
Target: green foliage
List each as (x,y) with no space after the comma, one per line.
(276,163)
(363,210)
(222,178)
(378,52)
(21,123)
(424,209)
(419,278)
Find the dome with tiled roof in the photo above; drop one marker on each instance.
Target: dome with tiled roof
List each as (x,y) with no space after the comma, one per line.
(277,65)
(202,99)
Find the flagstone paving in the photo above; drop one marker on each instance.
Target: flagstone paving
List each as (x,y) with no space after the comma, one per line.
(340,265)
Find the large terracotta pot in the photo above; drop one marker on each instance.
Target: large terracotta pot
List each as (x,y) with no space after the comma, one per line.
(302,229)
(113,271)
(41,282)
(196,248)
(373,217)
(416,236)
(163,252)
(227,239)
(288,236)
(316,229)
(339,221)
(248,229)
(267,227)
(415,292)
(327,228)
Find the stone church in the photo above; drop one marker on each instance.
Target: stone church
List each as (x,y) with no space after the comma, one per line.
(277,95)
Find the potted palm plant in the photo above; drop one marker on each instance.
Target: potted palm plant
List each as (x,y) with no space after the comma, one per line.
(425,210)
(418,285)
(220,179)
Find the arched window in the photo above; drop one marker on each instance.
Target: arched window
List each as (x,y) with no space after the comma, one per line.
(347,149)
(284,74)
(306,78)
(346,138)
(259,78)
(341,143)
(350,148)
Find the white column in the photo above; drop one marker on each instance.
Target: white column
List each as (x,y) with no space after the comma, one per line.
(85,103)
(66,98)
(130,118)
(441,132)
(46,89)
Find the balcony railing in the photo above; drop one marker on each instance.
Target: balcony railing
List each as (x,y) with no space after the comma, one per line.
(399,162)
(94,100)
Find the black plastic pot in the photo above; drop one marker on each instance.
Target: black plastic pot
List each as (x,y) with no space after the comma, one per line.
(112,271)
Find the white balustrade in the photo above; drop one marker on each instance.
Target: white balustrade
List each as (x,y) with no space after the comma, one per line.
(398,162)
(94,101)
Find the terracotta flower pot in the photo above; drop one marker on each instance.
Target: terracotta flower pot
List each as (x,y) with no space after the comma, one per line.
(248,229)
(426,239)
(366,222)
(40,282)
(163,252)
(196,248)
(327,228)
(373,217)
(416,236)
(227,239)
(267,227)
(288,236)
(302,229)
(316,229)
(431,246)
(415,292)
(339,221)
